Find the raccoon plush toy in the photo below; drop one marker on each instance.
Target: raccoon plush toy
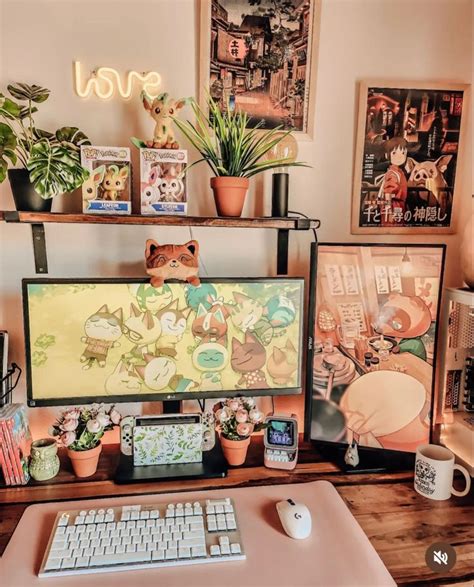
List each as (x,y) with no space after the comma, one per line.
(172,262)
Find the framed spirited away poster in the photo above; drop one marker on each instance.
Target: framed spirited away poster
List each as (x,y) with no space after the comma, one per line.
(409,141)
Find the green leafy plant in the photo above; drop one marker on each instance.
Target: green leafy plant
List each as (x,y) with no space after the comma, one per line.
(52,159)
(227,146)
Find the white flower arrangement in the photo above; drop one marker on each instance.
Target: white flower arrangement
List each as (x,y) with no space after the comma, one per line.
(238,418)
(82,428)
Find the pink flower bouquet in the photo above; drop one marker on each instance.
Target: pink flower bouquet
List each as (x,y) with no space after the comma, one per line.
(82,428)
(238,418)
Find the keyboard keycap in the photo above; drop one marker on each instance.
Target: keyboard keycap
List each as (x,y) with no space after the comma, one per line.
(117,558)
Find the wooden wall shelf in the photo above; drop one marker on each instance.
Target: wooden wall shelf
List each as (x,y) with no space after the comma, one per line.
(37,220)
(289,223)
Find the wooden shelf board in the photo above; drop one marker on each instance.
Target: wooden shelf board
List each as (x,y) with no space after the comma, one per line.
(292,223)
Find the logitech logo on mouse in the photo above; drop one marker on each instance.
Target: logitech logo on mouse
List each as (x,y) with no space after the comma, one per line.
(298,516)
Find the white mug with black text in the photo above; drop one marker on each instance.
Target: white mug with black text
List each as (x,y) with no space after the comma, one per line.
(434,471)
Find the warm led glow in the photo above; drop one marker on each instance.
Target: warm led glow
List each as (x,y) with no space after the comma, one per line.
(109,78)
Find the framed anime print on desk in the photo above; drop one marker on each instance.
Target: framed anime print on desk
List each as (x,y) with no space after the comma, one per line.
(376,314)
(409,144)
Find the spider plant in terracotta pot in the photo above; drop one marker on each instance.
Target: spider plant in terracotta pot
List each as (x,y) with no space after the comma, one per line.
(234,152)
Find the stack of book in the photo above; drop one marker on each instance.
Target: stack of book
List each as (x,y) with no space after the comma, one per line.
(15,442)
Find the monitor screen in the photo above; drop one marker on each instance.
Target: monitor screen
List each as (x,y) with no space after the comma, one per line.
(123,340)
(281,433)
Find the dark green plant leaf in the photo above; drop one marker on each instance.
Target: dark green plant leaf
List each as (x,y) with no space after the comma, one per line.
(8,108)
(40,134)
(33,92)
(71,137)
(7,149)
(25,112)
(55,169)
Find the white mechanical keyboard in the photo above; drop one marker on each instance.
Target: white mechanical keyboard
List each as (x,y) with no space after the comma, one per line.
(138,537)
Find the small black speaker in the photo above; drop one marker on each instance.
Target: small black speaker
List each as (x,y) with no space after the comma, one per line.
(280,183)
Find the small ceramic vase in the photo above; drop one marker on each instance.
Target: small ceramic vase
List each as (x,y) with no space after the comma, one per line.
(44,462)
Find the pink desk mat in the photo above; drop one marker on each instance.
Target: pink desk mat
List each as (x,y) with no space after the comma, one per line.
(337,553)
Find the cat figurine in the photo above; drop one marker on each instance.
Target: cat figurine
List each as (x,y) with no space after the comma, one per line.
(103,330)
(143,329)
(283,363)
(122,380)
(172,262)
(210,324)
(173,325)
(248,358)
(157,372)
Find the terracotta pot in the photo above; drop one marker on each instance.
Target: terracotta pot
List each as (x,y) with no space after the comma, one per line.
(26,197)
(84,462)
(229,194)
(235,451)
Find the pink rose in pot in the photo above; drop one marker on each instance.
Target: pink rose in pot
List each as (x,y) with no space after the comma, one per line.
(67,438)
(244,429)
(241,416)
(93,426)
(69,425)
(115,416)
(233,404)
(255,416)
(103,420)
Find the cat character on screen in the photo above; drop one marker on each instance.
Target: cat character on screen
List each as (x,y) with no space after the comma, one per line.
(173,322)
(172,262)
(143,329)
(248,359)
(103,330)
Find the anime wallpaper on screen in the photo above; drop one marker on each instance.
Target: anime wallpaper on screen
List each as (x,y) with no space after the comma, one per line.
(122,339)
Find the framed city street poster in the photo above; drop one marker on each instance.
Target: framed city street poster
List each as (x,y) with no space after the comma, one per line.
(409,143)
(260,56)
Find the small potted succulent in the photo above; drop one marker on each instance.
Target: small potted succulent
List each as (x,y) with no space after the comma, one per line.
(80,431)
(49,162)
(234,152)
(237,419)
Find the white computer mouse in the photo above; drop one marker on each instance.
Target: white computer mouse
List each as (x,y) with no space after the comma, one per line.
(295,518)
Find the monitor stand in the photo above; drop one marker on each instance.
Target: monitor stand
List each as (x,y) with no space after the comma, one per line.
(213,464)
(371,460)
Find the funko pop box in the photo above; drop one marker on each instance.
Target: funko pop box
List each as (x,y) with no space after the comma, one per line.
(109,187)
(163,181)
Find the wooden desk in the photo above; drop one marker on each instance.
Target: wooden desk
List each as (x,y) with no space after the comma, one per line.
(400,523)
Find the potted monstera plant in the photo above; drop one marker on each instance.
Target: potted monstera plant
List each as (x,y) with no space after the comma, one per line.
(234,152)
(44,164)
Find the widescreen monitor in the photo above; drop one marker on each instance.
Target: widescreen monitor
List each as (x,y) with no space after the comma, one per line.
(117,340)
